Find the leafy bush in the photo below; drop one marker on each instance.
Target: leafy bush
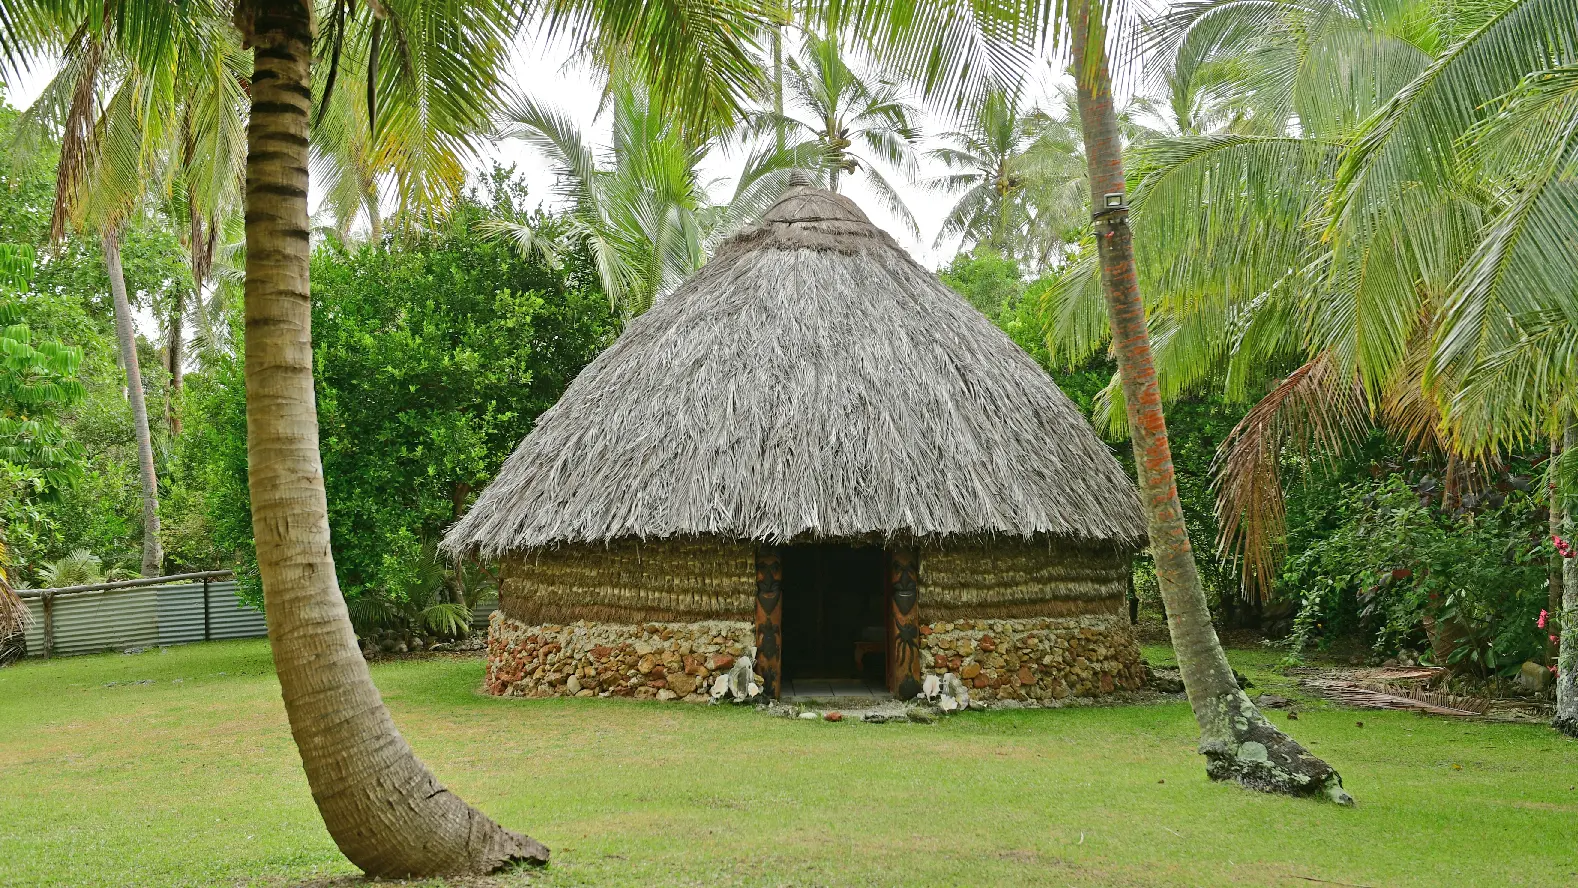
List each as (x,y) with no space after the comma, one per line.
(435,351)
(1394,564)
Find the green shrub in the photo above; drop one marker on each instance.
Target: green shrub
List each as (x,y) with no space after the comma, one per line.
(1395,561)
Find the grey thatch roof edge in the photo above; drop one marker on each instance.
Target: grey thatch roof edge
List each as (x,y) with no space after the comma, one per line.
(810,381)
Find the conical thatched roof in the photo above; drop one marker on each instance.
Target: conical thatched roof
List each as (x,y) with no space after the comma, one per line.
(811,381)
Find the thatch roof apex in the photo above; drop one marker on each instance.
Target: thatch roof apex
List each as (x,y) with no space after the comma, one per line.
(812,381)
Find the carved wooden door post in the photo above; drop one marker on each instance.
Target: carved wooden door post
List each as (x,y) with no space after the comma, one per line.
(769,619)
(904,580)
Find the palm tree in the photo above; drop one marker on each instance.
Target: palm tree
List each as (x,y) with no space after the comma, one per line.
(1238,742)
(849,121)
(1504,364)
(1018,173)
(384,809)
(101,180)
(1286,86)
(206,168)
(1419,205)
(642,206)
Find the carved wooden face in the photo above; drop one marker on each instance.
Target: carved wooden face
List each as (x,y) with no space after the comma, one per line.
(769,582)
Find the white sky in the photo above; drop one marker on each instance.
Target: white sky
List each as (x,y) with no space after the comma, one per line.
(542,70)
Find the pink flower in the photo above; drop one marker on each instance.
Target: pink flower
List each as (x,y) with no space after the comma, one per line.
(1553,639)
(1541,621)
(1563,547)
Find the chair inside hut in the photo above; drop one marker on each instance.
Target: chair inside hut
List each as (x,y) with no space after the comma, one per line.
(834,620)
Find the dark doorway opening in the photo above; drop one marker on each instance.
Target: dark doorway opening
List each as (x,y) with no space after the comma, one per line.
(834,612)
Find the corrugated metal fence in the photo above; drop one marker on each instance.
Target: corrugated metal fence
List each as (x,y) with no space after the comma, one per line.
(138,613)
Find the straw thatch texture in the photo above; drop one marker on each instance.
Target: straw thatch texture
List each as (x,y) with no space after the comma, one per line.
(811,381)
(1016,578)
(676,580)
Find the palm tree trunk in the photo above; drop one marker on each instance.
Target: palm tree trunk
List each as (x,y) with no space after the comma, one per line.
(1553,573)
(1238,742)
(778,87)
(125,334)
(375,219)
(383,808)
(176,353)
(1566,719)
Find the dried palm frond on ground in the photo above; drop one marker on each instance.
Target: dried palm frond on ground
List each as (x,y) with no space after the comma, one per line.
(1418,689)
(1355,694)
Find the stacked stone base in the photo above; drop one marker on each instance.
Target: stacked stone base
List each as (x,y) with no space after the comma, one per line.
(649,661)
(1039,659)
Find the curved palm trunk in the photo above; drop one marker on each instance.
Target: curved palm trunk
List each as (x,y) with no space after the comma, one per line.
(1237,741)
(1566,719)
(383,808)
(126,336)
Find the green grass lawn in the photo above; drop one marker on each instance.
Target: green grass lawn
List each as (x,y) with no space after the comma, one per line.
(190,778)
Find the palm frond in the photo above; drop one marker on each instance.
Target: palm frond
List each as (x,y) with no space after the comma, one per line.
(1318,409)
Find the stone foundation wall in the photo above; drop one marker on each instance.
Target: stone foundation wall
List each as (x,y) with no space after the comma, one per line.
(663,661)
(1033,659)
(1039,659)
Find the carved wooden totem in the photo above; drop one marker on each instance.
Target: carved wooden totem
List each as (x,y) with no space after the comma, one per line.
(769,619)
(904,580)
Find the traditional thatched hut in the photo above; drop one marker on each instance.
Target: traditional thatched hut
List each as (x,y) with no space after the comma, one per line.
(815,449)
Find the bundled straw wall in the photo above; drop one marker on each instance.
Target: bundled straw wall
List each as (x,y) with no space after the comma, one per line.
(1019,578)
(674,580)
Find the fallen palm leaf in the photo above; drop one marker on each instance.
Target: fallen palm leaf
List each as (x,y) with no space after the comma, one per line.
(1418,700)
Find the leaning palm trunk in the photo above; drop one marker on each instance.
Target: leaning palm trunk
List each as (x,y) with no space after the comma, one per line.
(1237,741)
(1566,719)
(383,808)
(152,550)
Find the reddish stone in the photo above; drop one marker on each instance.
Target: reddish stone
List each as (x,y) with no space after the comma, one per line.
(550,648)
(955,664)
(1025,678)
(693,664)
(980,681)
(1106,682)
(834,716)
(940,662)
(601,652)
(925,630)
(721,662)
(659,683)
(987,644)
(659,671)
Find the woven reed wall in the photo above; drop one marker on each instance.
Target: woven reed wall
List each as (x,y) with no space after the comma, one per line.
(675,580)
(1012,578)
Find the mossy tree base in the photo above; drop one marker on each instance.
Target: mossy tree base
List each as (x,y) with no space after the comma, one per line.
(1250,751)
(1566,724)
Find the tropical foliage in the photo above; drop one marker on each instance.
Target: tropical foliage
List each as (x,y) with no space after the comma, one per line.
(436,351)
